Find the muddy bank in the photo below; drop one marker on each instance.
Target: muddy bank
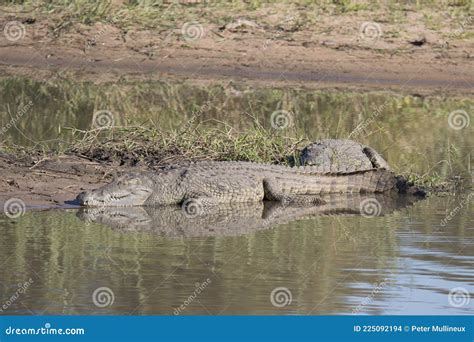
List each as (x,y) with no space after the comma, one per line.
(47,179)
(49,182)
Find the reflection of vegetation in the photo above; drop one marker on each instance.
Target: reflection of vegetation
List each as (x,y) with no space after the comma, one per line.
(322,261)
(395,125)
(62,253)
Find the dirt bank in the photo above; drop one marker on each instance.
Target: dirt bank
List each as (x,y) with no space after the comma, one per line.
(49,182)
(403,49)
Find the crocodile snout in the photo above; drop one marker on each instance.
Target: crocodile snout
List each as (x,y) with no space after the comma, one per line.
(82,198)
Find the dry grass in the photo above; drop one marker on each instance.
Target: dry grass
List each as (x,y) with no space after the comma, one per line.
(138,145)
(165,14)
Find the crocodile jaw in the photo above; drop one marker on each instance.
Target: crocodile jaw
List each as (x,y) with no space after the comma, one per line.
(129,190)
(97,198)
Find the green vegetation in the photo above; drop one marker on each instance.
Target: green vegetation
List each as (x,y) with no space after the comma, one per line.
(140,145)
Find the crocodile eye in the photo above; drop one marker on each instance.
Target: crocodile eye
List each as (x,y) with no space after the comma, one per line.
(133,181)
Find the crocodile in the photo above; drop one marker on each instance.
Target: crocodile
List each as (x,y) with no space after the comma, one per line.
(344,155)
(215,182)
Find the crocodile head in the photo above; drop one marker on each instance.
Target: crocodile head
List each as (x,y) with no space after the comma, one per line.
(128,190)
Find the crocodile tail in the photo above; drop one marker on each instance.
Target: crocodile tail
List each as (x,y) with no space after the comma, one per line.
(374,180)
(370,181)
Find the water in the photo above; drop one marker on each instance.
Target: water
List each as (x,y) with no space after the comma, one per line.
(402,262)
(406,260)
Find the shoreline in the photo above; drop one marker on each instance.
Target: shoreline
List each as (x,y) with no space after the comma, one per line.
(53,182)
(407,53)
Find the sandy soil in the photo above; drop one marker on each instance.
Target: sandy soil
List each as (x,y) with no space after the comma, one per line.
(51,182)
(336,52)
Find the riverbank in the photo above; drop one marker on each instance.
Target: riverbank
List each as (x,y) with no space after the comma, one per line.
(414,49)
(48,179)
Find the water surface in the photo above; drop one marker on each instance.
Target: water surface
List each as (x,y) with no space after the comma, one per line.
(403,262)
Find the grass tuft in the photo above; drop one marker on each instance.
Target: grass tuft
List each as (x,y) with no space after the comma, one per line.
(152,147)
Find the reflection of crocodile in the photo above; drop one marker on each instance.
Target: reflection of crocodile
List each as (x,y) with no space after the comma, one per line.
(237,218)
